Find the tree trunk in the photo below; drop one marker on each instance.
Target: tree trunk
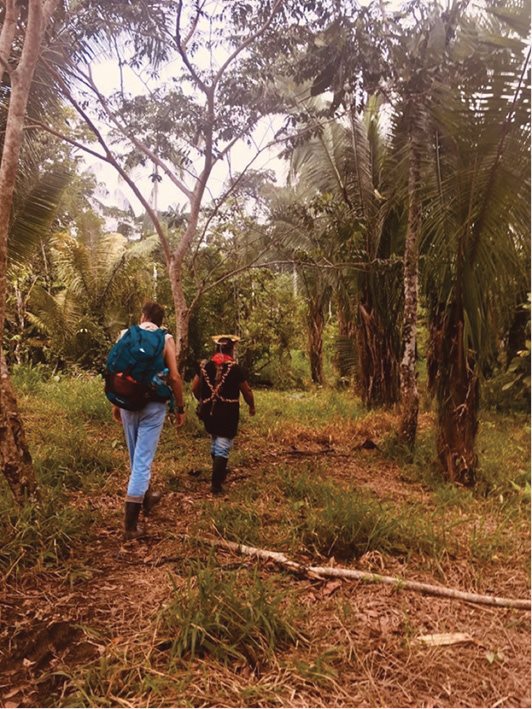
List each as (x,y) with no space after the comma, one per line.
(346,354)
(378,370)
(316,324)
(453,379)
(409,392)
(182,314)
(14,452)
(15,459)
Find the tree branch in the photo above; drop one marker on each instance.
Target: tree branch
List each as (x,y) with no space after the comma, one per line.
(193,24)
(368,577)
(110,158)
(205,288)
(62,136)
(88,80)
(246,43)
(7,35)
(181,48)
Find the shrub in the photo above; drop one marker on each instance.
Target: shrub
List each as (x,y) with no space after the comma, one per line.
(348,523)
(235,523)
(231,618)
(39,534)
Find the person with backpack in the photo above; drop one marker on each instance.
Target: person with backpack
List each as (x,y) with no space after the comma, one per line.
(217,386)
(141,378)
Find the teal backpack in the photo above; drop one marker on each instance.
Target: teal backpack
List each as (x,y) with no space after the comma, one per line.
(136,369)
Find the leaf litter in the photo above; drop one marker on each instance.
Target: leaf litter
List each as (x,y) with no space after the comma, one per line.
(55,633)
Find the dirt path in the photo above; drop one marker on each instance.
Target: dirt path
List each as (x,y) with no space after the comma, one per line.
(362,648)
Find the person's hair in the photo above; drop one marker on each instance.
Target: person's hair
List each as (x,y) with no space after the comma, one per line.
(226,347)
(153,312)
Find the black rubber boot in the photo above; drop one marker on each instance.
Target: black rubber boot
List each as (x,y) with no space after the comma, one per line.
(226,471)
(131,518)
(150,500)
(219,473)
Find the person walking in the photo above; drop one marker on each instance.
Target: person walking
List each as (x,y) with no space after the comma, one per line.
(217,386)
(143,426)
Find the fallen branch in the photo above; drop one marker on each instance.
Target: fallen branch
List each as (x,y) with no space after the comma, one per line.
(329,571)
(323,451)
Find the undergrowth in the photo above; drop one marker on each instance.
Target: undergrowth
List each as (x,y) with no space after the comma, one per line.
(348,523)
(39,534)
(231,616)
(220,623)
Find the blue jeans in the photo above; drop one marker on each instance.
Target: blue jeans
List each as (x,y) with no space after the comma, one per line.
(220,446)
(142,430)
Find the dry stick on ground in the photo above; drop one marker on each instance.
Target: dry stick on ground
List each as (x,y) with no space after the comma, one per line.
(327,571)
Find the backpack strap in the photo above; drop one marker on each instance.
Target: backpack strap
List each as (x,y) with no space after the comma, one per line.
(215,389)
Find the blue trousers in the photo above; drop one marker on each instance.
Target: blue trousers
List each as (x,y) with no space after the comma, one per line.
(220,446)
(142,430)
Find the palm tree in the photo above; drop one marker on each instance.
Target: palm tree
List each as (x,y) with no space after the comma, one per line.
(301,238)
(104,281)
(476,219)
(345,170)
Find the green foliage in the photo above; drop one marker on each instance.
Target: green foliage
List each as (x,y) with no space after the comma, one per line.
(229,616)
(235,523)
(347,524)
(40,534)
(28,379)
(509,388)
(260,307)
(103,282)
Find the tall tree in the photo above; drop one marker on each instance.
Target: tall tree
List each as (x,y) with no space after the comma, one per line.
(344,170)
(302,240)
(21,40)
(477,218)
(191,122)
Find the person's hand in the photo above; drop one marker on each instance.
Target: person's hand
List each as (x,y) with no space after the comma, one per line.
(116,414)
(179,420)
(252,411)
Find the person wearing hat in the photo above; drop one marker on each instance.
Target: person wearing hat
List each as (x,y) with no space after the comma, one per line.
(217,386)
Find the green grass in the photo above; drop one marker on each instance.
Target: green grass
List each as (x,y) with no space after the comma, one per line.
(79,396)
(231,616)
(29,380)
(223,631)
(40,534)
(237,523)
(82,397)
(71,458)
(309,408)
(348,523)
(503,448)
(504,455)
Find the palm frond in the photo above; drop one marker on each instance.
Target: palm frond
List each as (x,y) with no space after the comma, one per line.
(34,216)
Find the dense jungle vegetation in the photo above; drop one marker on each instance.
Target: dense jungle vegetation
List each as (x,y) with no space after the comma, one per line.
(346,187)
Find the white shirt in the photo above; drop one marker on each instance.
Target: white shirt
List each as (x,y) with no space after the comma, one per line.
(147,326)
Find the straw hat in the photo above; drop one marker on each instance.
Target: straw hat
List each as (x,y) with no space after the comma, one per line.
(225,339)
